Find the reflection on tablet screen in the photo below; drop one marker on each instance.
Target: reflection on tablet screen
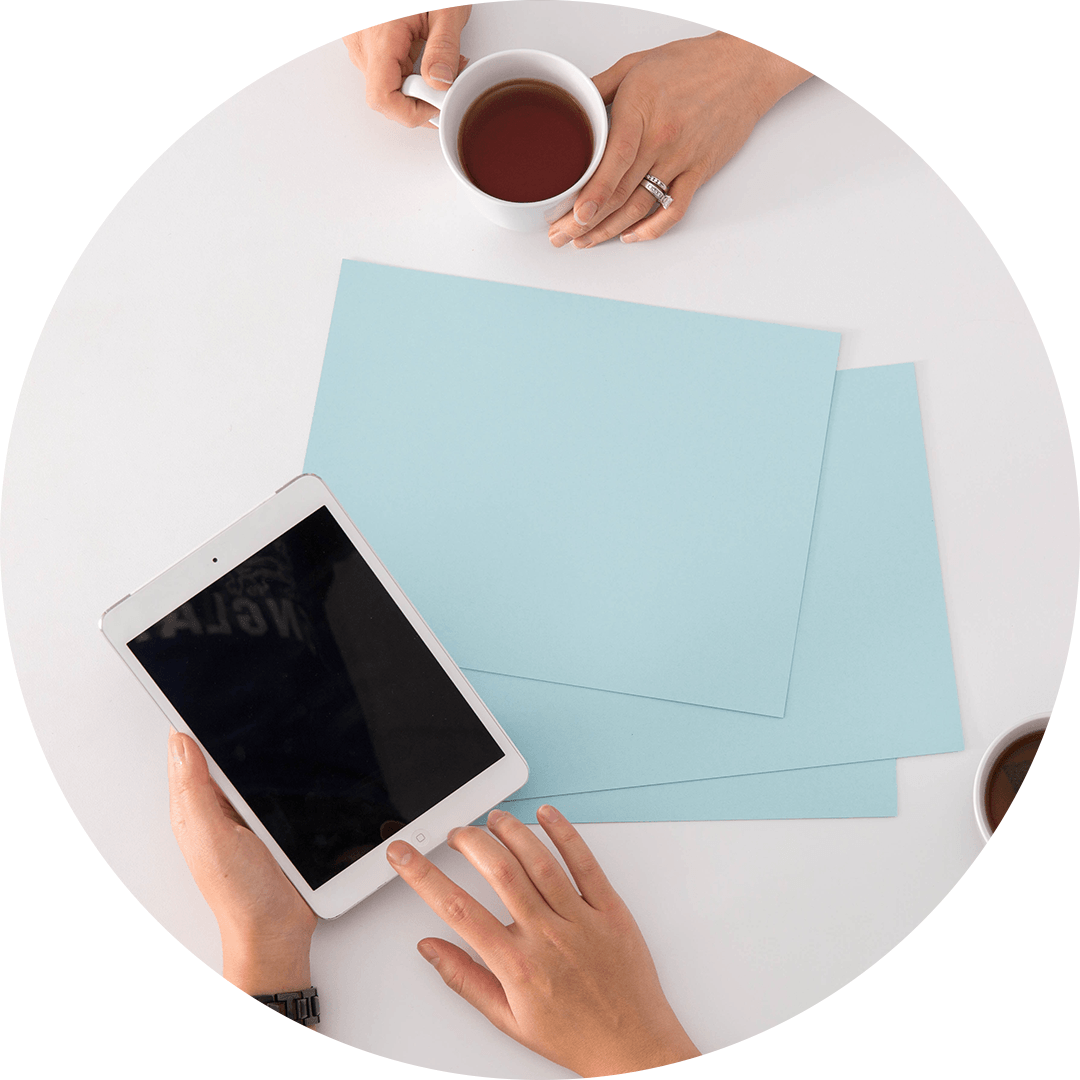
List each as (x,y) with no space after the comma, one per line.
(316,697)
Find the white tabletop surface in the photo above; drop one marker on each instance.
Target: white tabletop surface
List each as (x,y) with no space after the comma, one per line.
(173,389)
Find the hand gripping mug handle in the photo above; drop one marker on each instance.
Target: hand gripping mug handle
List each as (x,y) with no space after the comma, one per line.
(414,86)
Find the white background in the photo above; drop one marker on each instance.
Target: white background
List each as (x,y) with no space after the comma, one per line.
(984,92)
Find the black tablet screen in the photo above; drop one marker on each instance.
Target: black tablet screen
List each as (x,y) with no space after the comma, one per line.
(316,697)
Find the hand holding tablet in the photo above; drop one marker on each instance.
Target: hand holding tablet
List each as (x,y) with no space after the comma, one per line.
(329,714)
(265,924)
(322,738)
(571,977)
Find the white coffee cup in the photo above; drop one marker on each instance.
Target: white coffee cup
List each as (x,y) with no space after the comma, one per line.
(485,73)
(994,751)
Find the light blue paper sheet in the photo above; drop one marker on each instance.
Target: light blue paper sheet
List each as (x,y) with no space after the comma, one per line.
(872,675)
(580,490)
(862,789)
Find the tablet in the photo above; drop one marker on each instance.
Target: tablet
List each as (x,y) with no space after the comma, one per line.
(328,712)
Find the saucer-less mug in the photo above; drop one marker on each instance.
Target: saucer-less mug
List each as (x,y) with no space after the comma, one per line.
(1033,726)
(480,76)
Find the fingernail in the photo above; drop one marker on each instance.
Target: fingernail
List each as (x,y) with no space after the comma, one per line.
(428,953)
(452,833)
(560,239)
(441,72)
(548,814)
(630,237)
(581,243)
(495,817)
(399,853)
(177,747)
(586,213)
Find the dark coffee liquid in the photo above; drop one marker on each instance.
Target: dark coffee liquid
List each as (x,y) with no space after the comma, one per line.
(524,141)
(1007,775)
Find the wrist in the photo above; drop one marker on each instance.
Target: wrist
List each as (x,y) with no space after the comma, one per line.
(656,1044)
(767,77)
(263,965)
(651,1057)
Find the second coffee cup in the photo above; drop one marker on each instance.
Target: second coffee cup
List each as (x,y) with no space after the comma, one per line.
(535,117)
(1002,771)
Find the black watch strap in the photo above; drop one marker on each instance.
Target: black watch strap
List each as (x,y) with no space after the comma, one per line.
(299,1005)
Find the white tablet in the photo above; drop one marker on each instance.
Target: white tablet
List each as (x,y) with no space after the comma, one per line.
(328,711)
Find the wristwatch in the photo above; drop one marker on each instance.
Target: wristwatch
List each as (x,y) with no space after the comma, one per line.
(299,1005)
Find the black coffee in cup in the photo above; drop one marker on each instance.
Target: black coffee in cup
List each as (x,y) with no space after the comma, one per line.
(525,140)
(1007,774)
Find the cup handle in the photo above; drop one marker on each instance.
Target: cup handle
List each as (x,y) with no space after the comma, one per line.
(414,86)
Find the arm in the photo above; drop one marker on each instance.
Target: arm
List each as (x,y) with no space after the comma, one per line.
(571,977)
(679,112)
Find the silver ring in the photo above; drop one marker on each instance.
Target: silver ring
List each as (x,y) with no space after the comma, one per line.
(663,199)
(657,181)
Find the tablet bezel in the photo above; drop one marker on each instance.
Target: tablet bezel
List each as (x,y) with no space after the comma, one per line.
(290,505)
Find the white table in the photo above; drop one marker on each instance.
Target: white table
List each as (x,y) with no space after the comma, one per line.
(173,389)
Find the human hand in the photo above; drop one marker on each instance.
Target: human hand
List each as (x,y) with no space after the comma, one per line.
(571,976)
(387,53)
(265,924)
(679,112)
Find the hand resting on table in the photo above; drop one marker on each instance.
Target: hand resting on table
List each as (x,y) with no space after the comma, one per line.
(679,112)
(571,977)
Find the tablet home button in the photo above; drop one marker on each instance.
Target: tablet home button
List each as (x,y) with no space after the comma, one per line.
(420,837)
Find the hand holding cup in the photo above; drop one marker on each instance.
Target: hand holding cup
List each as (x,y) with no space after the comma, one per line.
(387,54)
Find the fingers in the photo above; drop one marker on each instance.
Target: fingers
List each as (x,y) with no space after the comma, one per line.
(681,190)
(442,58)
(464,915)
(591,881)
(470,980)
(383,94)
(354,45)
(193,798)
(639,217)
(501,870)
(637,207)
(544,871)
(384,54)
(620,156)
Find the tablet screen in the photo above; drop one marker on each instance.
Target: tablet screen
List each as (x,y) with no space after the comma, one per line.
(316,697)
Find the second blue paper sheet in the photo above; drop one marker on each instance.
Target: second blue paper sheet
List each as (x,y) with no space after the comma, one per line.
(872,675)
(861,789)
(579,490)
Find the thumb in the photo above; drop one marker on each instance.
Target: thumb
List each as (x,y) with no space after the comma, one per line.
(442,54)
(469,980)
(194,806)
(608,81)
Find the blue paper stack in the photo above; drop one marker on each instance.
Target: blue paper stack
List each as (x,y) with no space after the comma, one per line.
(690,567)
